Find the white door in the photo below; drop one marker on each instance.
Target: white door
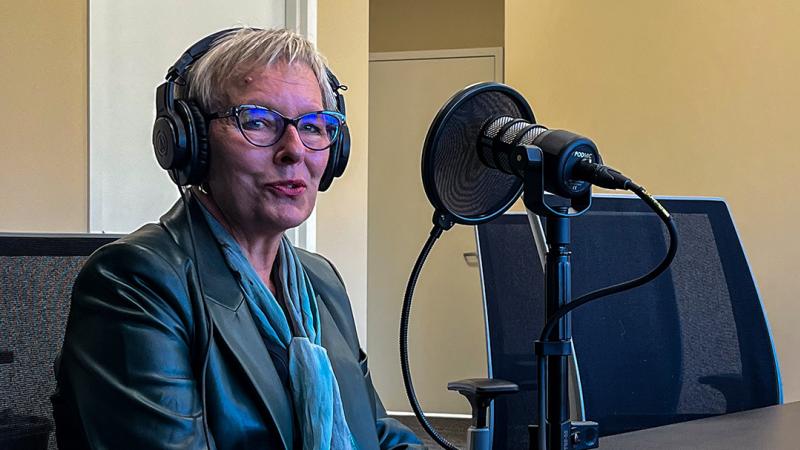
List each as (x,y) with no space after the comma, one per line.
(446,332)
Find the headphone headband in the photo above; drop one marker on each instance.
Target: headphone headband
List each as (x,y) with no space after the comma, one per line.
(195,52)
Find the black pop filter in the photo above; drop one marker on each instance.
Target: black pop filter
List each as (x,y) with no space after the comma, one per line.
(456,182)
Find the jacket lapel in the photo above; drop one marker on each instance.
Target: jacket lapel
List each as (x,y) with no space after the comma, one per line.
(237,329)
(231,318)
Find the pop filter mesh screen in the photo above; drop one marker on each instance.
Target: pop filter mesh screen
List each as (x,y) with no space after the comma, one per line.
(466,187)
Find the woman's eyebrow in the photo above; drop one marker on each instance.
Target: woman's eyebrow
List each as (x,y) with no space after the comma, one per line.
(258,103)
(255,103)
(264,102)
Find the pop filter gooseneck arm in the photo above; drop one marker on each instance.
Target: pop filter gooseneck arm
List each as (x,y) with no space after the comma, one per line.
(435,233)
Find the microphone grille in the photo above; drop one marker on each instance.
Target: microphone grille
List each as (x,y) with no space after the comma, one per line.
(511,133)
(493,128)
(518,132)
(532,134)
(490,130)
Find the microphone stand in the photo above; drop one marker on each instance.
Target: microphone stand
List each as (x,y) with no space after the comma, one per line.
(554,431)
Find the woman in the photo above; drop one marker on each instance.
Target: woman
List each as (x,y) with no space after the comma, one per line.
(209,329)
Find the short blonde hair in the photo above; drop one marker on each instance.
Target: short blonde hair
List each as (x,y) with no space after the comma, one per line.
(242,51)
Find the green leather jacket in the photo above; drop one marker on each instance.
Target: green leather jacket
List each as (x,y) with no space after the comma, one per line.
(140,345)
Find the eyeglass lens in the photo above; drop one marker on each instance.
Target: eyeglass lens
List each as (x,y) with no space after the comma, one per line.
(263,127)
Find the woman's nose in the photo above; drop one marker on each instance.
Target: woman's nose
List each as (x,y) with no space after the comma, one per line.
(290,148)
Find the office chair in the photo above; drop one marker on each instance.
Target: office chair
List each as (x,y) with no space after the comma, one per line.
(693,343)
(36,276)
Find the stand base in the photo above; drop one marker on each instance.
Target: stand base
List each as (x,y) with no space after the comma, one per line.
(576,435)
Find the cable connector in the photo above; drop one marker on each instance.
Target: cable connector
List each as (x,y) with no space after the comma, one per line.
(600,175)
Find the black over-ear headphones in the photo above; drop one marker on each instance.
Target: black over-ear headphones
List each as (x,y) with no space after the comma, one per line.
(180,134)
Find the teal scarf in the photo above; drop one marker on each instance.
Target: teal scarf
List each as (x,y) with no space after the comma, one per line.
(315,392)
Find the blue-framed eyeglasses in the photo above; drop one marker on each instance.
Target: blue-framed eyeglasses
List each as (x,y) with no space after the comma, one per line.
(263,127)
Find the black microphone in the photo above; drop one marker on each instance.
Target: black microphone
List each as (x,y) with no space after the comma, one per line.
(571,162)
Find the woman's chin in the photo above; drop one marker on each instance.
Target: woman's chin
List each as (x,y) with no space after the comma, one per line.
(286,220)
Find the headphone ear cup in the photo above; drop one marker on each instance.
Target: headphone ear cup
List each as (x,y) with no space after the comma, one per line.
(340,150)
(327,176)
(200,159)
(337,160)
(193,167)
(169,134)
(343,147)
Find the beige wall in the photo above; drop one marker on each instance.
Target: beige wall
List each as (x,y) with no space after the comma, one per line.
(43,154)
(688,98)
(433,25)
(343,37)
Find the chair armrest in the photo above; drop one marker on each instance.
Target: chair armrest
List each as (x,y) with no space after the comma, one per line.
(480,392)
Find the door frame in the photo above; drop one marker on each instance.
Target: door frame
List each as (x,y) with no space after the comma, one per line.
(301,17)
(496,52)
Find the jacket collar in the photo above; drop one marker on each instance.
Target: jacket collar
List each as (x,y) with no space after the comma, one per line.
(218,283)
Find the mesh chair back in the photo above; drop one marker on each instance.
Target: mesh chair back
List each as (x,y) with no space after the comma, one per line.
(513,283)
(36,276)
(694,342)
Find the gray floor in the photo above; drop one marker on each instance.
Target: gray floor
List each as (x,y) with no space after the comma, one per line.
(454,430)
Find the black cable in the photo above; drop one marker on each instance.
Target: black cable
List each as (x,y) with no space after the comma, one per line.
(662,213)
(404,317)
(209,320)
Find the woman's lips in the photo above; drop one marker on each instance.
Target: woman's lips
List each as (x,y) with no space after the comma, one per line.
(291,188)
